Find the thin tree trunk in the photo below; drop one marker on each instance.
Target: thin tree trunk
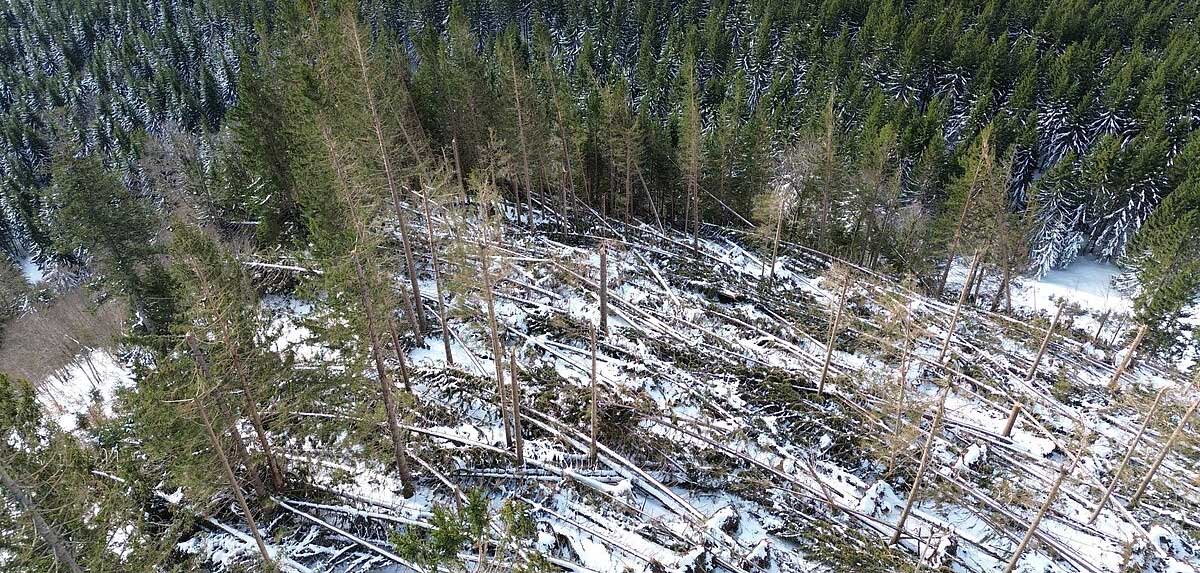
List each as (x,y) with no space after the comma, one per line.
(1003,288)
(1103,321)
(458,172)
(234,433)
(220,451)
(962,297)
(1045,342)
(519,441)
(1162,454)
(250,403)
(399,351)
(595,398)
(1037,519)
(58,546)
(393,187)
(1137,340)
(603,288)
(437,278)
(833,328)
(524,148)
(778,232)
(1133,444)
(916,485)
(385,386)
(497,351)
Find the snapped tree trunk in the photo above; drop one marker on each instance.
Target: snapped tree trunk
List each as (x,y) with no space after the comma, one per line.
(437,278)
(916,485)
(519,442)
(497,350)
(1133,444)
(595,398)
(1037,519)
(1162,454)
(833,328)
(524,147)
(962,297)
(399,447)
(1137,340)
(1045,342)
(603,288)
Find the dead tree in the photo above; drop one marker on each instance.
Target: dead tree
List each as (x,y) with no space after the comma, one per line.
(1045,342)
(1133,444)
(1037,519)
(1012,419)
(595,397)
(58,546)
(224,461)
(1137,340)
(497,349)
(962,297)
(519,442)
(833,328)
(399,446)
(916,485)
(603,288)
(1162,453)
(437,277)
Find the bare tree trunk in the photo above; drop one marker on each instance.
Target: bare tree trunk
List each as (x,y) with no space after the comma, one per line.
(524,148)
(1002,289)
(595,397)
(516,408)
(962,219)
(603,288)
(1162,454)
(58,546)
(385,386)
(393,187)
(962,297)
(1133,444)
(1137,340)
(238,443)
(1037,519)
(1012,419)
(399,351)
(220,451)
(778,232)
(437,278)
(833,328)
(1045,342)
(497,350)
(1103,321)
(251,406)
(916,485)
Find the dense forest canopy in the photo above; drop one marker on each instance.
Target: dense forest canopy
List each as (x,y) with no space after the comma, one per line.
(865,125)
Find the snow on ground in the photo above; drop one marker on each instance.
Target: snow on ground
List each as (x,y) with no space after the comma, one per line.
(1086,282)
(88,382)
(31,271)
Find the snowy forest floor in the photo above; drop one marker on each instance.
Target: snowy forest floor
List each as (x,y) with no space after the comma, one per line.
(716,452)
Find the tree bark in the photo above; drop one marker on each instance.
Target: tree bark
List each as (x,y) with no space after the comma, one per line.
(1162,454)
(437,278)
(1045,342)
(595,398)
(833,328)
(385,386)
(962,297)
(393,187)
(912,493)
(1137,340)
(1012,419)
(1037,519)
(519,441)
(603,288)
(58,546)
(497,350)
(1133,444)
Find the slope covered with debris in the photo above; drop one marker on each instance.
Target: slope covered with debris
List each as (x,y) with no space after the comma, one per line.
(728,436)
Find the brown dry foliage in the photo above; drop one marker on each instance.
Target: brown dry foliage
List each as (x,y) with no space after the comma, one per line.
(38,343)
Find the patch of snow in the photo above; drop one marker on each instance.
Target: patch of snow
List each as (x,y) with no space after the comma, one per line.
(74,390)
